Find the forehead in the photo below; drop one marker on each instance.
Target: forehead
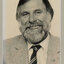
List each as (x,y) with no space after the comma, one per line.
(32,4)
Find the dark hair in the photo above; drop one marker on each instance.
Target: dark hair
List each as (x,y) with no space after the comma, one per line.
(49,7)
(46,2)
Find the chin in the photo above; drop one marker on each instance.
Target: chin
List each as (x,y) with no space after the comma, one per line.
(35,38)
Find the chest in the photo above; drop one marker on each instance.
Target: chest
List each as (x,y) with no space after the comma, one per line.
(41,55)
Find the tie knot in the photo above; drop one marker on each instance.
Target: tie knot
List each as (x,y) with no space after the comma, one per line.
(36,47)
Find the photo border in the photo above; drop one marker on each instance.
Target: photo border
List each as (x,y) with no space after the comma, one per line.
(1,44)
(62,32)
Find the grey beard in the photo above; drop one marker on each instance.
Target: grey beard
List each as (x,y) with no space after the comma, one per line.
(34,38)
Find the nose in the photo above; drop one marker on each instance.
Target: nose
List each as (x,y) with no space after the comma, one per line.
(31,18)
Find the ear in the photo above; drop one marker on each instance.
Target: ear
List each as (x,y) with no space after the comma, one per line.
(49,17)
(17,16)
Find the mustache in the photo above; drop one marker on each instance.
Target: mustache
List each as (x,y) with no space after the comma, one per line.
(33,24)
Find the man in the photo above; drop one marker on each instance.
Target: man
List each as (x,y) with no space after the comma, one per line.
(36,45)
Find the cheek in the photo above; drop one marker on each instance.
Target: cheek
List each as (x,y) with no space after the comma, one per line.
(46,26)
(45,21)
(41,16)
(21,27)
(23,20)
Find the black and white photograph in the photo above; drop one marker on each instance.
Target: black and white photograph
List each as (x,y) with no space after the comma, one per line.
(32,32)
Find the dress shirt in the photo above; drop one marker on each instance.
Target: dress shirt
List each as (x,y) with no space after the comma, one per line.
(42,52)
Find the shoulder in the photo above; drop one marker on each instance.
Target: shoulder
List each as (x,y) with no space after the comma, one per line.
(54,43)
(54,38)
(54,48)
(15,41)
(14,48)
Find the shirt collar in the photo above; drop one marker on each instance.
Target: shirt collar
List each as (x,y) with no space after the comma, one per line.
(44,44)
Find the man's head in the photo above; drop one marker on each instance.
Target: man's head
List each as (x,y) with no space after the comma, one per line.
(34,17)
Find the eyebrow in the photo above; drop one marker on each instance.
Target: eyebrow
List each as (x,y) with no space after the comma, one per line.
(24,12)
(37,9)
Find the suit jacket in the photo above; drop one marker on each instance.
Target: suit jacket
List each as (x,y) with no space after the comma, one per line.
(16,51)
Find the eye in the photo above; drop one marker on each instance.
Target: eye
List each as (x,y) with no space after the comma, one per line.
(38,11)
(24,13)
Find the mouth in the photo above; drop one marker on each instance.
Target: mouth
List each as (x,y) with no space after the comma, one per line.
(33,27)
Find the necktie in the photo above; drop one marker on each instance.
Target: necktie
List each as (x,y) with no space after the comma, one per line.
(33,59)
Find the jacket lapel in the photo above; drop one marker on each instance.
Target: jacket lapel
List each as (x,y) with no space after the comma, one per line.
(53,56)
(25,56)
(50,52)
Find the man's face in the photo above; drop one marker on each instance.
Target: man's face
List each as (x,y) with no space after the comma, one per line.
(34,20)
